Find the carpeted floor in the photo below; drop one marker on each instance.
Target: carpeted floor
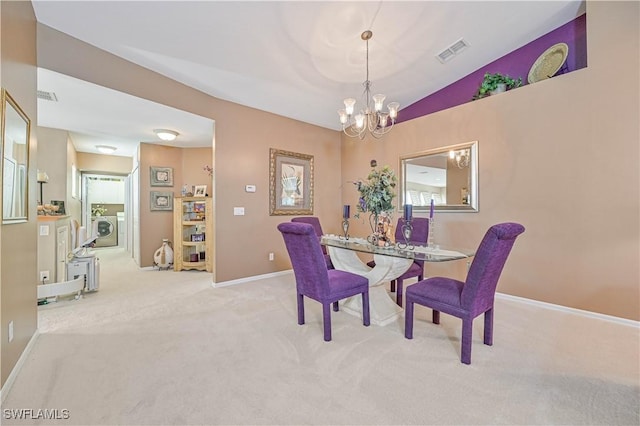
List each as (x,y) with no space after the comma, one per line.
(160,347)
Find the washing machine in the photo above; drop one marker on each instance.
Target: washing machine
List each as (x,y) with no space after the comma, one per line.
(106,228)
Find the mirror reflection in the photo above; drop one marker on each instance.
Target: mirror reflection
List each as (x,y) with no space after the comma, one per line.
(15,156)
(447,175)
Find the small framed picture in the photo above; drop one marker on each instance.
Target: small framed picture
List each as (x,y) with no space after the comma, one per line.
(197,237)
(161,201)
(200,191)
(161,176)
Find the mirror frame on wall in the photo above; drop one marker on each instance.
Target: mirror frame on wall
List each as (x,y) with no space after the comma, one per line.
(440,154)
(15,162)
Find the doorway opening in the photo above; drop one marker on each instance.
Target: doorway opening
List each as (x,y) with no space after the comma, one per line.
(105,207)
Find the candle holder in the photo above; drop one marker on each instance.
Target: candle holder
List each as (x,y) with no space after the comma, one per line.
(407,230)
(431,240)
(345,229)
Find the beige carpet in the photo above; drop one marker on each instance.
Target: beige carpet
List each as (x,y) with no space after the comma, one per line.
(160,347)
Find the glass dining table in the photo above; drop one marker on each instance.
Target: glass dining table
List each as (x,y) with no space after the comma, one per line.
(390,263)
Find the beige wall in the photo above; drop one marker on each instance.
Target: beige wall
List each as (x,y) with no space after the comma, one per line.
(100,163)
(559,156)
(56,155)
(187,164)
(52,159)
(73,205)
(18,248)
(156,225)
(193,162)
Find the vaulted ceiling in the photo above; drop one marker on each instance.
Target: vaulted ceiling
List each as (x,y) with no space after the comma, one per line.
(298,59)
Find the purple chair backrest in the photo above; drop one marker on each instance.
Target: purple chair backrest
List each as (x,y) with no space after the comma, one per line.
(420,233)
(311,220)
(482,279)
(306,256)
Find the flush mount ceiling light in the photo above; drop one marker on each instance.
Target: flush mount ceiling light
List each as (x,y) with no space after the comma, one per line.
(106,149)
(370,118)
(166,135)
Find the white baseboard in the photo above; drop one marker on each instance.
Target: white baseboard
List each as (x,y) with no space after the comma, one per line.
(249,279)
(574,311)
(16,368)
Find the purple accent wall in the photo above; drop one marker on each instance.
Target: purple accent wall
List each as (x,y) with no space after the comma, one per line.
(515,64)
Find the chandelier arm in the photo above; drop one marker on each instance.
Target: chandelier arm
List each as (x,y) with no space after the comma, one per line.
(352,131)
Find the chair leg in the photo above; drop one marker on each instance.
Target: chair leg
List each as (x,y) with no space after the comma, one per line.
(399,293)
(300,309)
(366,319)
(467,335)
(408,320)
(393,286)
(326,320)
(435,317)
(488,327)
(335,306)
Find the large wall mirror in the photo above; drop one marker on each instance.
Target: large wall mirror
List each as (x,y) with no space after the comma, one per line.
(15,160)
(448,175)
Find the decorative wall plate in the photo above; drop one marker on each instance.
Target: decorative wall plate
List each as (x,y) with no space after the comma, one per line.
(548,64)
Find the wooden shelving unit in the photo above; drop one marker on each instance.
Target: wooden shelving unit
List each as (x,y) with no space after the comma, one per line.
(193,233)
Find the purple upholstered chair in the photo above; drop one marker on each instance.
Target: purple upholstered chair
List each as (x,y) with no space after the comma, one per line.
(419,236)
(469,299)
(314,280)
(312,220)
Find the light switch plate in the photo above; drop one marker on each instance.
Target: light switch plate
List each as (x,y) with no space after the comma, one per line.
(238,211)
(44,229)
(250,188)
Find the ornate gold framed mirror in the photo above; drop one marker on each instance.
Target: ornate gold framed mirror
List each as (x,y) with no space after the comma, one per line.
(15,131)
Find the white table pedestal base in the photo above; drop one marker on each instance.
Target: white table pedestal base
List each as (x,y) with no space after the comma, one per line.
(383,310)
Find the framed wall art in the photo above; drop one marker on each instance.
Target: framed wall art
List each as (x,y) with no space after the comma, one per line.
(161,201)
(290,183)
(161,176)
(200,191)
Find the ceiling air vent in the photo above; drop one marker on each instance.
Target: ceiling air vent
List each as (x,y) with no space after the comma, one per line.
(450,52)
(47,96)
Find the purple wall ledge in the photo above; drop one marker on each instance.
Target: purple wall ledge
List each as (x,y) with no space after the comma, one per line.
(515,64)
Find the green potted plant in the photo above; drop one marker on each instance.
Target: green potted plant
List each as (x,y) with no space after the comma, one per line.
(496,83)
(376,198)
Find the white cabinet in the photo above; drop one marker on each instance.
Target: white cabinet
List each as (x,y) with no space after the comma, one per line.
(53,247)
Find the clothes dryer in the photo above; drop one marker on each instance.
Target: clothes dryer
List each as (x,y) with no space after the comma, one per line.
(106,228)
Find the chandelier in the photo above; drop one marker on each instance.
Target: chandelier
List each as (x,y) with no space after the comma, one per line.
(461,157)
(371,118)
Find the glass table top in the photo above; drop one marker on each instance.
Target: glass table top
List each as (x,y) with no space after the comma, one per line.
(427,254)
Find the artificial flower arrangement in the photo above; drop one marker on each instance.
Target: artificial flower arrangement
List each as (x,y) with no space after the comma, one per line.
(376,197)
(377,191)
(98,210)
